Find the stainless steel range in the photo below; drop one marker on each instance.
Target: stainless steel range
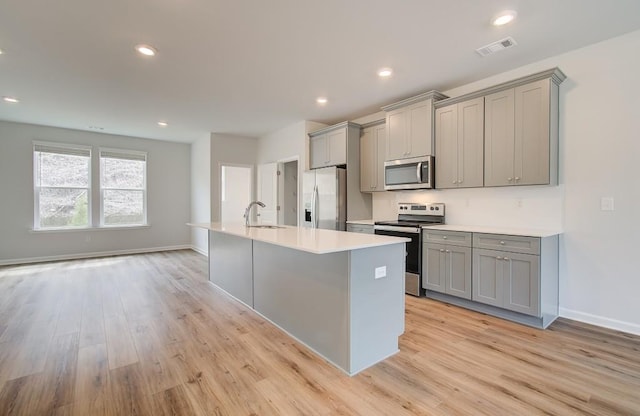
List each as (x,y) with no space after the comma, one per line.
(411,219)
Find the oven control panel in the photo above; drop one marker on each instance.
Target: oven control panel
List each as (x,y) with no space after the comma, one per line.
(407,208)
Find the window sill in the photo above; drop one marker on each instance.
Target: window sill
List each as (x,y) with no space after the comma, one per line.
(85,229)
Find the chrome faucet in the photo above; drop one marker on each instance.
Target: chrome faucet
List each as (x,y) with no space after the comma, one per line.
(246,211)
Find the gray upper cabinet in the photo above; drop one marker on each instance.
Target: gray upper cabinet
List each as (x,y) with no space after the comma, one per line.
(521,135)
(373,147)
(459,135)
(519,132)
(328,149)
(409,126)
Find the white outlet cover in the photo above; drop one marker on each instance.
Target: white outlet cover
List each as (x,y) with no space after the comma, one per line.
(606,203)
(381,272)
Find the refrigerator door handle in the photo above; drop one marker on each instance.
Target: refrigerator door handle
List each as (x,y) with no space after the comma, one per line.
(316,198)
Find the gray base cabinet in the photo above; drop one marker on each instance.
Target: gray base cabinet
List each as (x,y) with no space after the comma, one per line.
(507,280)
(446,263)
(513,277)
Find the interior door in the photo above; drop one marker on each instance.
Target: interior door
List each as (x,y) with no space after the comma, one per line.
(268,193)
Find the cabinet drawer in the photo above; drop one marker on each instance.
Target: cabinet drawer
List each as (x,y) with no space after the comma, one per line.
(456,238)
(360,228)
(511,243)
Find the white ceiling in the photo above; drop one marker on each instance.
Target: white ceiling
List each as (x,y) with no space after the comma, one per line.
(250,67)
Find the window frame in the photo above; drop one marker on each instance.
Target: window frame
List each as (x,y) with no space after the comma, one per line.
(134,155)
(37,187)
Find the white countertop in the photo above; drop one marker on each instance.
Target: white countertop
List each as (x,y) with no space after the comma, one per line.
(362,222)
(527,232)
(305,239)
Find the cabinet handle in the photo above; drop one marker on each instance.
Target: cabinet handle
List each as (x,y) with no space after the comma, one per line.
(509,179)
(455,182)
(444,237)
(506,259)
(517,178)
(502,242)
(498,258)
(441,250)
(447,251)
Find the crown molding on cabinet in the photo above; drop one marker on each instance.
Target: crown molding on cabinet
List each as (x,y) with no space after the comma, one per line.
(334,127)
(373,123)
(433,94)
(555,74)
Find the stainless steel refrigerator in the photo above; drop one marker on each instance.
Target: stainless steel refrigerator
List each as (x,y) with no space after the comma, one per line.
(324,193)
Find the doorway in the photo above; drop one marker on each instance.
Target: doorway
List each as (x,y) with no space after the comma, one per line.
(288,192)
(235,191)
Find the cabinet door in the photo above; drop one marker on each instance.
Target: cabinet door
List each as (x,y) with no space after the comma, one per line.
(434,267)
(458,271)
(337,147)
(470,142)
(499,139)
(487,285)
(419,137)
(397,134)
(318,151)
(447,147)
(380,134)
(522,283)
(532,133)
(367,160)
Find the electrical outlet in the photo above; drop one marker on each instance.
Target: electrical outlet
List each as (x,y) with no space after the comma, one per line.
(606,203)
(381,272)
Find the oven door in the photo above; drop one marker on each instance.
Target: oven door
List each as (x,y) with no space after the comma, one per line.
(413,283)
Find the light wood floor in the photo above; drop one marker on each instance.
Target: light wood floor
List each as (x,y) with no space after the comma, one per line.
(147,335)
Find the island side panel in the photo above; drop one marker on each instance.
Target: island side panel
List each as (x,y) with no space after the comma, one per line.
(306,295)
(230,266)
(376,304)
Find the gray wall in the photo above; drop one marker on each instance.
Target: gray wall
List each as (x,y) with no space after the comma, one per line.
(168,197)
(231,150)
(201,192)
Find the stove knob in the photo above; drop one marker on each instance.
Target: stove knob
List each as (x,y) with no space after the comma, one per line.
(437,208)
(431,208)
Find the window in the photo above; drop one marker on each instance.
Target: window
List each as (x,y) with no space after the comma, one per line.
(123,187)
(62,186)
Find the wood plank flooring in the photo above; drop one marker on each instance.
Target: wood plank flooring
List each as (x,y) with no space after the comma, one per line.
(148,335)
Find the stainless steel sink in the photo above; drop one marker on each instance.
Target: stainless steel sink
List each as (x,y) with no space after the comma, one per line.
(265,226)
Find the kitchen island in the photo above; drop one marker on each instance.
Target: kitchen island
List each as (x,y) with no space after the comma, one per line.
(339,293)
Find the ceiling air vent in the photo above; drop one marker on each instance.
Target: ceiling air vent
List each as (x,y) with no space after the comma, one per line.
(496,46)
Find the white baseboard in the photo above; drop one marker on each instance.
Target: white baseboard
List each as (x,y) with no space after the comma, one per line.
(588,318)
(199,250)
(90,255)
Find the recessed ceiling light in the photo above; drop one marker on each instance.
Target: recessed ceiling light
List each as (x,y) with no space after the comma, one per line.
(163,123)
(11,99)
(385,72)
(321,100)
(504,17)
(1,52)
(146,50)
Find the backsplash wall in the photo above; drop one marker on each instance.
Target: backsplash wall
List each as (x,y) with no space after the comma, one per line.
(538,207)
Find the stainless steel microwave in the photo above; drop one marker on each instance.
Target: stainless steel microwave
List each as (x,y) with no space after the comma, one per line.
(413,173)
